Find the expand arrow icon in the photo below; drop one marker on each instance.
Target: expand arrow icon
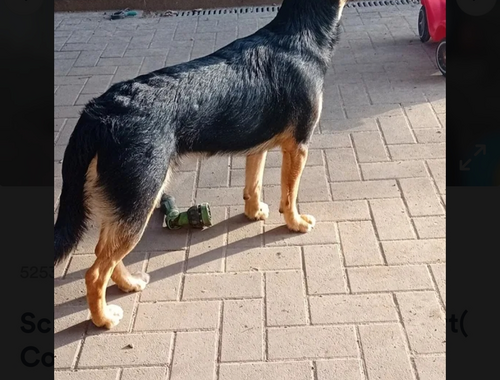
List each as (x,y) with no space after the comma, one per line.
(463,167)
(482,148)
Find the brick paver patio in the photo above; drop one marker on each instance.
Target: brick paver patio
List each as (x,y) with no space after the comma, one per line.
(360,297)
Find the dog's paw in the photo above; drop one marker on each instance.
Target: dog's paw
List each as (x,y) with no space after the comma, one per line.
(302,223)
(112,316)
(257,213)
(135,282)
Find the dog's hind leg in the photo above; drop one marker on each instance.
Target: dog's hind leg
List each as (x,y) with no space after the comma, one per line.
(121,276)
(115,242)
(254,170)
(294,160)
(128,282)
(119,235)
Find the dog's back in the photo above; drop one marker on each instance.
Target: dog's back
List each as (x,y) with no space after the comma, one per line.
(228,102)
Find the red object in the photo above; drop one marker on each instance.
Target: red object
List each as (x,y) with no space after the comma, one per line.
(436,18)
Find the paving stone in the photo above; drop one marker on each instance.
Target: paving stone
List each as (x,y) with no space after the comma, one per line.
(88,58)
(263,259)
(160,316)
(157,238)
(216,286)
(384,351)
(417,151)
(125,61)
(369,147)
(145,373)
(439,273)
(69,328)
(193,356)
(165,270)
(389,278)
(347,369)
(364,190)
(181,187)
(313,185)
(430,227)
(431,367)
(421,197)
(330,142)
(337,211)
(97,84)
(391,220)
(231,196)
(90,71)
(359,243)
(341,126)
(421,116)
(322,233)
(103,374)
(352,308)
(438,171)
(424,321)
(116,50)
(396,130)
(66,132)
(114,350)
(243,233)
(414,251)
(285,300)
(66,95)
(389,170)
(354,95)
(124,73)
(214,172)
(430,135)
(63,66)
(152,63)
(266,371)
(323,268)
(242,331)
(206,252)
(312,342)
(342,165)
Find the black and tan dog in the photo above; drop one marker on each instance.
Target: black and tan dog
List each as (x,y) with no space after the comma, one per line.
(259,92)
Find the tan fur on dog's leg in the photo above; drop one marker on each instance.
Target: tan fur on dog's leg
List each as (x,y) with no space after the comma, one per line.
(285,170)
(294,160)
(128,282)
(114,244)
(116,240)
(254,170)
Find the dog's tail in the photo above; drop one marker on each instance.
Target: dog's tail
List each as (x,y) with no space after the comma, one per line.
(73,212)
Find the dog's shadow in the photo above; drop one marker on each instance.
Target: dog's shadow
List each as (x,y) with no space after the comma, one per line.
(78,305)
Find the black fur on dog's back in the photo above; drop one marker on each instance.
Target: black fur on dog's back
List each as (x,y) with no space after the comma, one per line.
(231,101)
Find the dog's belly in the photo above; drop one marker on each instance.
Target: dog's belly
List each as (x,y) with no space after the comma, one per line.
(217,139)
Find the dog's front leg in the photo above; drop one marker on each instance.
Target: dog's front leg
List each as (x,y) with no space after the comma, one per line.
(254,170)
(294,160)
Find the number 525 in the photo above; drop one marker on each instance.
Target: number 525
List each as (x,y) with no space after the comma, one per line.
(37,272)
